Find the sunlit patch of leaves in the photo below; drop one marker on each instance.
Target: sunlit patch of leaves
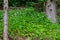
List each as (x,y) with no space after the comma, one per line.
(29,23)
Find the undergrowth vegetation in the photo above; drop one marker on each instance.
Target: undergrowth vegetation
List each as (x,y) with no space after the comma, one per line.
(29,23)
(58,15)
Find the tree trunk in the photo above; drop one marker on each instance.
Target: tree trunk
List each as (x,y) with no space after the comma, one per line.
(5,32)
(51,10)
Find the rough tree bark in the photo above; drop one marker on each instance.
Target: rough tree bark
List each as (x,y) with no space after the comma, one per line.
(51,10)
(5,32)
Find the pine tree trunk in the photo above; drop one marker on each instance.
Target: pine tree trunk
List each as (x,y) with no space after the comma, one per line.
(51,10)
(5,32)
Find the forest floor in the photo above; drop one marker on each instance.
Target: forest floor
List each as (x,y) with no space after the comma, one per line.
(29,24)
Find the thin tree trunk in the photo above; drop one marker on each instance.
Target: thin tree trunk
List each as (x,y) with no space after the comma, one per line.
(5,32)
(51,10)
